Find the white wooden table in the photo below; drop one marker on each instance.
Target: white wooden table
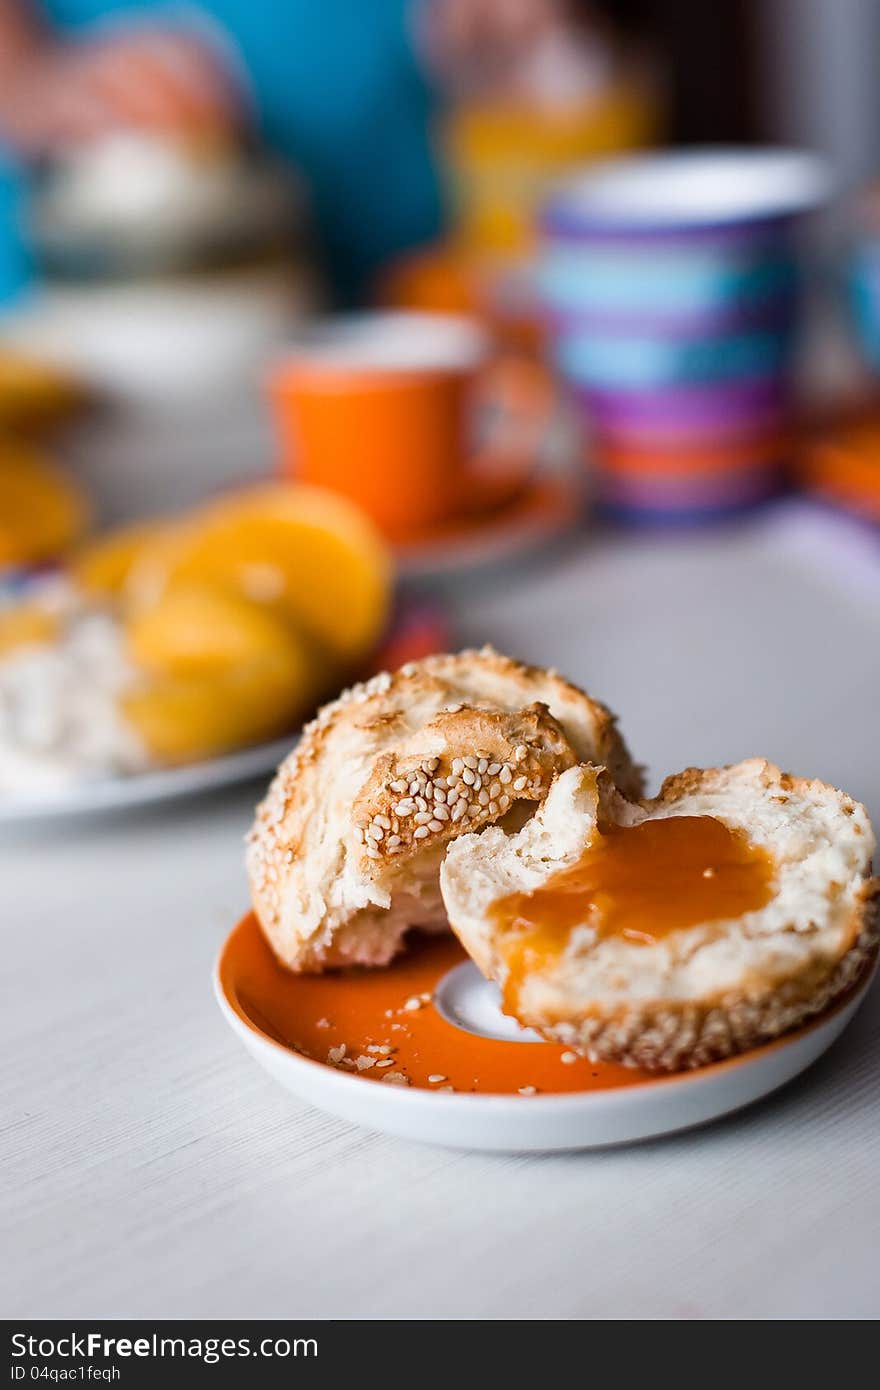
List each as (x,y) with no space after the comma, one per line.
(150,1170)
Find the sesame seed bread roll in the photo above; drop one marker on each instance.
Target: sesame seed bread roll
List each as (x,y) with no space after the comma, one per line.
(345,852)
(609,972)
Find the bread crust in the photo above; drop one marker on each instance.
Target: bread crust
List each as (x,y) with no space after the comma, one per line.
(777,991)
(391,772)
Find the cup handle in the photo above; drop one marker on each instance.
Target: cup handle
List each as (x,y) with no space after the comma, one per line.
(514,403)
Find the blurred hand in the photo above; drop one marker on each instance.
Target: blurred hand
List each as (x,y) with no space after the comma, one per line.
(159,81)
(470,36)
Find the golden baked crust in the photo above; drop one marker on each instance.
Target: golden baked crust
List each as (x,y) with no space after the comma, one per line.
(344,853)
(700,995)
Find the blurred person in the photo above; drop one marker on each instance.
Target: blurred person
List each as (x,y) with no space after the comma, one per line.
(342,89)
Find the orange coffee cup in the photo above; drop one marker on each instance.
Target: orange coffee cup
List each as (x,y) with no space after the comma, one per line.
(379,406)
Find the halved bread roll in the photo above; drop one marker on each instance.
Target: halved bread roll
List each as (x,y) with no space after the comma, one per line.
(673,932)
(345,851)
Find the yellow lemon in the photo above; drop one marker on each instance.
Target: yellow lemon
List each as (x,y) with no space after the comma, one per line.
(305,551)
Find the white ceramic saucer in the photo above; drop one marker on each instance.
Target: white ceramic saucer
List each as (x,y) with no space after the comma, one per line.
(251,999)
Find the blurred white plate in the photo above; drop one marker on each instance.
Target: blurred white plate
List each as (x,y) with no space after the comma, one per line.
(147,788)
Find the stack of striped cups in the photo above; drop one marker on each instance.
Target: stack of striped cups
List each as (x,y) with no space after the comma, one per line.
(670,288)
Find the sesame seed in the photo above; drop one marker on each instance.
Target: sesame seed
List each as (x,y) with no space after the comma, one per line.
(375,832)
(505,775)
(471,762)
(372,852)
(439,782)
(452,797)
(398,786)
(439,796)
(386,1062)
(457,766)
(396,1078)
(413,1003)
(440,812)
(435,825)
(422,817)
(431,765)
(495,788)
(528,1090)
(494,769)
(421,803)
(483,798)
(419,834)
(483,766)
(493,808)
(568,1058)
(520,752)
(478,782)
(404,808)
(336,1054)
(504,802)
(468,777)
(459,811)
(392,842)
(436,1077)
(383,821)
(415,787)
(373,1047)
(363,1063)
(520,783)
(385,1049)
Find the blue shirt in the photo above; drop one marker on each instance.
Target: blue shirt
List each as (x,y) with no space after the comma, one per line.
(337,91)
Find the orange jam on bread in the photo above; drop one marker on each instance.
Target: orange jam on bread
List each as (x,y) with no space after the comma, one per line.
(637,882)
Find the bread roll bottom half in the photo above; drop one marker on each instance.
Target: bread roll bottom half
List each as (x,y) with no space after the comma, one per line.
(672,932)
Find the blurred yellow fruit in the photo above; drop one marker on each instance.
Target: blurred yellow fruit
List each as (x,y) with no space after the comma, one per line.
(41,512)
(25,625)
(196,630)
(307,552)
(102,566)
(220,672)
(183,718)
(33,392)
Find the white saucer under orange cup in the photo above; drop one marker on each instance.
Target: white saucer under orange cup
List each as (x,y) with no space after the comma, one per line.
(383,408)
